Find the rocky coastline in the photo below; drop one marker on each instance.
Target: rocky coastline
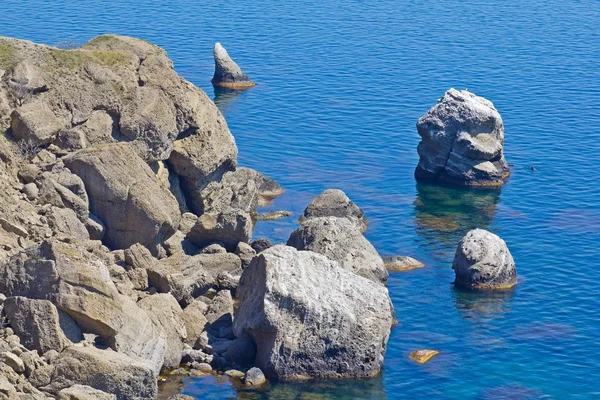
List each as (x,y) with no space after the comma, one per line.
(126,233)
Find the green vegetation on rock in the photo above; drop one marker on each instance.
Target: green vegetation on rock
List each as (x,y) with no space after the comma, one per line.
(8,55)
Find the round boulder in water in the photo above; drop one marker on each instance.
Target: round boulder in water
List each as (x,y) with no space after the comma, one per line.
(482,261)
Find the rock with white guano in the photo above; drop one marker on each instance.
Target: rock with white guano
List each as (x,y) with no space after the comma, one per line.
(227,72)
(483,261)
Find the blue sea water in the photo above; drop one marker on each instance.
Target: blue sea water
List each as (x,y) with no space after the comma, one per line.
(340,87)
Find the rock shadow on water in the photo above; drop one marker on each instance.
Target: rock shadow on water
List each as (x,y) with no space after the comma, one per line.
(222,387)
(444,214)
(541,331)
(482,305)
(226,97)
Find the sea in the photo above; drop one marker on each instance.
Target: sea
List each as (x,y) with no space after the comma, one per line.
(341,85)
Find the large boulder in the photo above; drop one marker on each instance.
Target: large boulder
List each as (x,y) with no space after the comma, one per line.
(229,228)
(106,370)
(125,194)
(187,277)
(482,261)
(40,325)
(462,139)
(166,313)
(35,123)
(335,203)
(64,190)
(79,283)
(227,73)
(340,239)
(200,159)
(311,319)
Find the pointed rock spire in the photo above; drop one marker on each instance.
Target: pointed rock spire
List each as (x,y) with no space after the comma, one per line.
(227,72)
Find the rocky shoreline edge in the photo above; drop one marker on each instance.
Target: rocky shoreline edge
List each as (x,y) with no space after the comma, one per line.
(126,247)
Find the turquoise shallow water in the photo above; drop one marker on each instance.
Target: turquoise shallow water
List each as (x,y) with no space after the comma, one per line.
(341,85)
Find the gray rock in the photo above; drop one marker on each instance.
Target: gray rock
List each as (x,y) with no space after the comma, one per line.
(462,139)
(188,220)
(255,377)
(203,367)
(482,261)
(179,244)
(64,223)
(13,361)
(105,370)
(95,227)
(195,356)
(340,240)
(40,325)
(64,190)
(227,281)
(311,319)
(32,361)
(195,320)
(36,123)
(166,313)
(138,278)
(261,244)
(125,194)
(202,158)
(139,257)
(213,248)
(227,72)
(28,76)
(81,392)
(220,311)
(229,228)
(71,140)
(42,376)
(245,252)
(187,277)
(335,203)
(273,215)
(13,227)
(243,189)
(31,191)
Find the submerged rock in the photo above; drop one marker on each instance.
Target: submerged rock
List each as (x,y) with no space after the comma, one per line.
(422,356)
(335,203)
(401,263)
(462,139)
(482,261)
(273,215)
(311,319)
(227,72)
